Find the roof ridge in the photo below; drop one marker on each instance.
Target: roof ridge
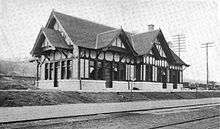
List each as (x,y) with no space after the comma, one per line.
(82,19)
(146,32)
(44,28)
(108,31)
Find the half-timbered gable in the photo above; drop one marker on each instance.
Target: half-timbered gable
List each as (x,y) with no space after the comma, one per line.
(77,54)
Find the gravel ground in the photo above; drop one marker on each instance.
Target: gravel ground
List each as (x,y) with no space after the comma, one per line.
(164,119)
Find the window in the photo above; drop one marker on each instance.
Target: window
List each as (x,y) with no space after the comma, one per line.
(130,72)
(84,68)
(63,71)
(178,76)
(148,76)
(100,70)
(122,71)
(46,71)
(92,69)
(69,69)
(138,72)
(115,71)
(51,71)
(118,43)
(174,76)
(159,74)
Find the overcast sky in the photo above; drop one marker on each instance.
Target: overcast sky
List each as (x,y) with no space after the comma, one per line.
(21,20)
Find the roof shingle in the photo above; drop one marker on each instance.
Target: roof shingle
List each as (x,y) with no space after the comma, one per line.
(177,59)
(143,42)
(88,34)
(55,38)
(81,31)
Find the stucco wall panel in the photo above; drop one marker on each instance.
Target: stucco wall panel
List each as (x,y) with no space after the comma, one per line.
(68,85)
(149,86)
(46,84)
(121,85)
(93,85)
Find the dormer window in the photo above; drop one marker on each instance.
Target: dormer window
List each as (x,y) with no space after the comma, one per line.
(118,43)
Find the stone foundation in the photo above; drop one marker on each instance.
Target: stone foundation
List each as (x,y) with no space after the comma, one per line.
(100,86)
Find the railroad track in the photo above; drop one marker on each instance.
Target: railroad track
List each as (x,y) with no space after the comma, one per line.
(184,122)
(52,122)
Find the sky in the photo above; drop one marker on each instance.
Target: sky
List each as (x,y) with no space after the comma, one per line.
(21,20)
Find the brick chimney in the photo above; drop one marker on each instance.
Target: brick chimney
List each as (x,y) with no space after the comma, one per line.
(150,27)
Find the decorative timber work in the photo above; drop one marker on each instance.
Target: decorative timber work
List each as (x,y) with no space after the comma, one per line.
(69,48)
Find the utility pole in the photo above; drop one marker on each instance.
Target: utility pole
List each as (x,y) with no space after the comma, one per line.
(179,43)
(206,46)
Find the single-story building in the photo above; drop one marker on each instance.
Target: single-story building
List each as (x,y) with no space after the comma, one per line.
(79,55)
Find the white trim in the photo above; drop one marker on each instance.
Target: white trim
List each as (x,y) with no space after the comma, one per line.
(97,37)
(48,41)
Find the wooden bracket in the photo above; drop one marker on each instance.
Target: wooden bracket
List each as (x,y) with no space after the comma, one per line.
(121,58)
(47,57)
(42,62)
(99,52)
(61,51)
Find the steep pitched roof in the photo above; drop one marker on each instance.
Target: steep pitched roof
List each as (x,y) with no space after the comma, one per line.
(177,59)
(103,39)
(143,42)
(53,36)
(82,32)
(88,34)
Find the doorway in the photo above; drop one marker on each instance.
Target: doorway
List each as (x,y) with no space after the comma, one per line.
(56,67)
(108,73)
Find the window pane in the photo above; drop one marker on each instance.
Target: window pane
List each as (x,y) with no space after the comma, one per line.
(51,71)
(69,69)
(82,68)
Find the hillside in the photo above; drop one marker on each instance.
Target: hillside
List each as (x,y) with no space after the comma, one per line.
(16,83)
(17,68)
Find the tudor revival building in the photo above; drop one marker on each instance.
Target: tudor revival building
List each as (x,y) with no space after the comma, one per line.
(76,54)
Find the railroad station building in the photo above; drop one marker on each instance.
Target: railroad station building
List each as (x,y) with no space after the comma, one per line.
(79,55)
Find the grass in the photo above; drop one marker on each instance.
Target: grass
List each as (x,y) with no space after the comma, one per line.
(16,83)
(20,91)
(40,97)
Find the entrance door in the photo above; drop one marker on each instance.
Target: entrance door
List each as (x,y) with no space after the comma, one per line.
(108,74)
(55,74)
